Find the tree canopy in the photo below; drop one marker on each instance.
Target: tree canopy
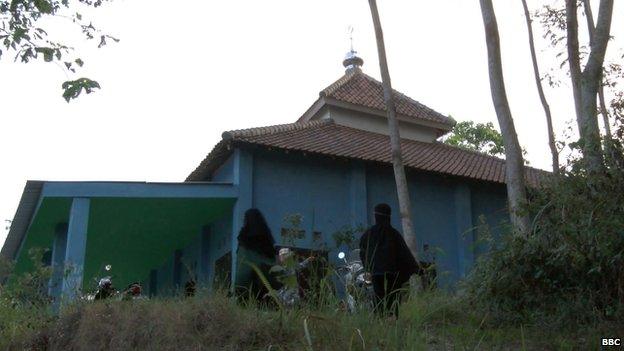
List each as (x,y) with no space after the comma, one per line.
(482,137)
(23,34)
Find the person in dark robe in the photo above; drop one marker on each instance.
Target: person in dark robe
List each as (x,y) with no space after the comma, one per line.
(256,246)
(385,255)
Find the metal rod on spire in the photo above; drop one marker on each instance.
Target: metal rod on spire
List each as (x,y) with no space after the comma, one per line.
(350,31)
(352,61)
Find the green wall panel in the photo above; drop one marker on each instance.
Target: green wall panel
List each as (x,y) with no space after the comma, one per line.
(51,212)
(137,235)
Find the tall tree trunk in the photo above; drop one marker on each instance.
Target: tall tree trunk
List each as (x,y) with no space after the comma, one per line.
(514,175)
(601,99)
(586,83)
(395,139)
(540,89)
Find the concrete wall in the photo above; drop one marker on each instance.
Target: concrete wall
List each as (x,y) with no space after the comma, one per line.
(315,188)
(331,194)
(225,173)
(379,124)
(490,200)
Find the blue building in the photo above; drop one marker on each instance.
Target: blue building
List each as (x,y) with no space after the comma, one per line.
(320,175)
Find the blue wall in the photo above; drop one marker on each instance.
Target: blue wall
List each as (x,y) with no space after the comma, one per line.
(490,200)
(225,173)
(333,194)
(315,188)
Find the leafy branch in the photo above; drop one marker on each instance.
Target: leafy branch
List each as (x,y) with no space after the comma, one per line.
(22,36)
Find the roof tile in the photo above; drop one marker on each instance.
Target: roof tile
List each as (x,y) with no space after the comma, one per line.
(358,88)
(327,138)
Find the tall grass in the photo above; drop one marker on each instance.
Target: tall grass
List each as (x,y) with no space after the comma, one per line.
(430,320)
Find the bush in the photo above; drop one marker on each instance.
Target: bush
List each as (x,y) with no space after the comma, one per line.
(24,304)
(570,268)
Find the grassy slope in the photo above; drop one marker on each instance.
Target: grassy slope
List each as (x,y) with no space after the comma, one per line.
(430,322)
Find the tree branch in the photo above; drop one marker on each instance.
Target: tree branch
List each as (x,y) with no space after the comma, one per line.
(599,41)
(573,53)
(601,98)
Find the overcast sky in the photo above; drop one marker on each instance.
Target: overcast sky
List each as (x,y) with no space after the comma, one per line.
(186,71)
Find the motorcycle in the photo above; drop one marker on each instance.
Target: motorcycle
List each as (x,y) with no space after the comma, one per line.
(133,292)
(106,291)
(288,273)
(357,283)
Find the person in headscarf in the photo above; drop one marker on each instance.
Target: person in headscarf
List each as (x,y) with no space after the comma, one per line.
(256,247)
(385,255)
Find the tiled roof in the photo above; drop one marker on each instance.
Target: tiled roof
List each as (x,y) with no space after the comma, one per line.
(25,210)
(358,88)
(327,138)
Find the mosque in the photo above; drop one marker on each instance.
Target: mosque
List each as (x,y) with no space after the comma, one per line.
(318,177)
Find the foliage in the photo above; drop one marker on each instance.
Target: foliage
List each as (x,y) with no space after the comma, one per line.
(571,266)
(31,288)
(74,88)
(22,34)
(24,304)
(348,236)
(432,320)
(291,229)
(428,320)
(553,22)
(481,137)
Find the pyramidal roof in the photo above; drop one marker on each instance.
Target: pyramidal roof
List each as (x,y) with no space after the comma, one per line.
(359,89)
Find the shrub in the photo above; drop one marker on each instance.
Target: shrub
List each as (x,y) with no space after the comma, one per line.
(570,267)
(24,304)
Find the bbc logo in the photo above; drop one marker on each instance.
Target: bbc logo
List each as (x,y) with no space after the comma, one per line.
(611,342)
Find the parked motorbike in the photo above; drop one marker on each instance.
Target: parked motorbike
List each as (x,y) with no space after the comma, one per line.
(133,292)
(356,281)
(105,290)
(289,274)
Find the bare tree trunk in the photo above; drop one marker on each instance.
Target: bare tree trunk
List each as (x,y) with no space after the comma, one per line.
(586,83)
(540,89)
(395,139)
(514,172)
(601,99)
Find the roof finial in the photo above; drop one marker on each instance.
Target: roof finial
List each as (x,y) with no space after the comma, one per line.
(352,61)
(350,30)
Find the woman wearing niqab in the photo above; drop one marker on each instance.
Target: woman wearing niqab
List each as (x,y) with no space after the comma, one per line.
(385,255)
(255,246)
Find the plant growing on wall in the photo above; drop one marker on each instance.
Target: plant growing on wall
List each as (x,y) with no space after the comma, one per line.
(291,228)
(348,236)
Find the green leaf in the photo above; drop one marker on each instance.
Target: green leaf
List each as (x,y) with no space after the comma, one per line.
(72,89)
(102,41)
(48,53)
(43,6)
(18,34)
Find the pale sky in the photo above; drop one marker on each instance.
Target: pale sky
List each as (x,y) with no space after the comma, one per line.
(186,71)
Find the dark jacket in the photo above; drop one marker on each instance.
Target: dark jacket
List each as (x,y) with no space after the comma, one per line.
(383,250)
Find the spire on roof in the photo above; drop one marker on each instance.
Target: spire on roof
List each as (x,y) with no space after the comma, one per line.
(352,61)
